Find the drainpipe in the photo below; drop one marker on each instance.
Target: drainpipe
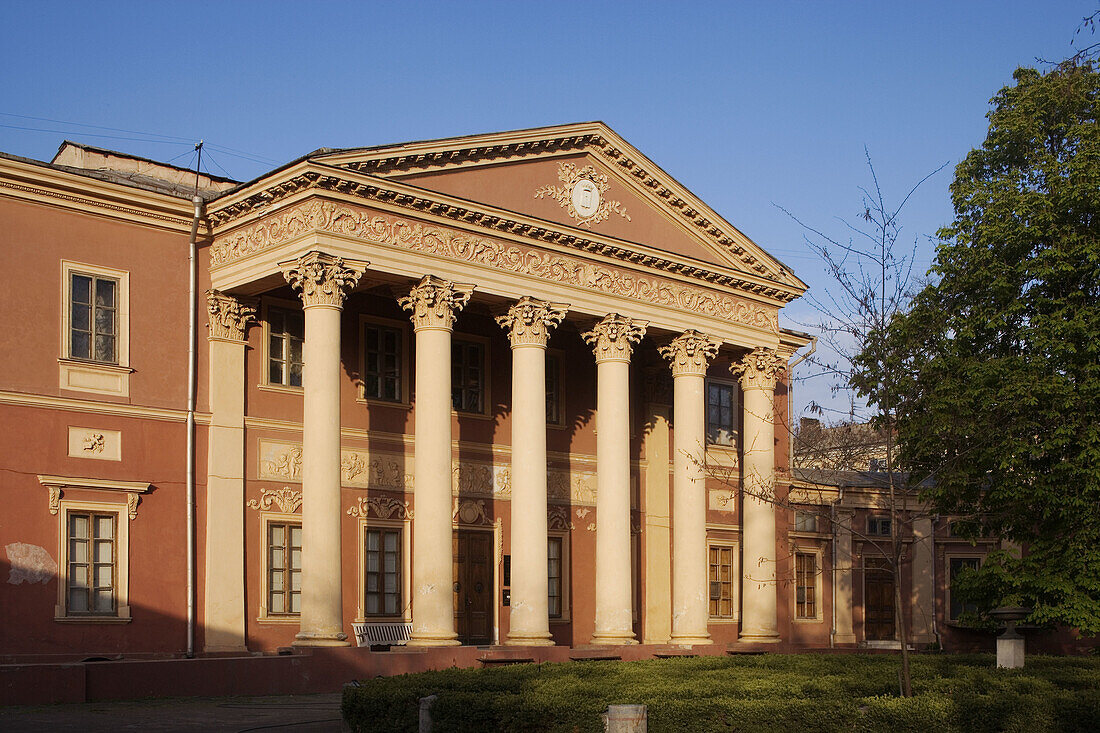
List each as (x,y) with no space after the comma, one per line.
(192,327)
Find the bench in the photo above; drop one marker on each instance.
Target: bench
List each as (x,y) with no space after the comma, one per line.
(387,633)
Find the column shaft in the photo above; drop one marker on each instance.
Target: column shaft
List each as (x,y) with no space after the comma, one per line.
(322,599)
(614,616)
(690,600)
(529,615)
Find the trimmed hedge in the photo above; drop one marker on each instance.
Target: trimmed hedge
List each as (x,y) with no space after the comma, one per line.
(816,692)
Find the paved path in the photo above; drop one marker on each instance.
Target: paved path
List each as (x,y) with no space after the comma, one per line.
(282,714)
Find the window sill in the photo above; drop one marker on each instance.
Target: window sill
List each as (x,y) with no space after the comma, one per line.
(94,377)
(279,620)
(95,620)
(723,621)
(383,403)
(285,389)
(809,535)
(807,620)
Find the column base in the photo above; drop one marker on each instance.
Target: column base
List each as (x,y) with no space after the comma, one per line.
(433,640)
(697,640)
(759,638)
(613,639)
(844,638)
(540,640)
(319,638)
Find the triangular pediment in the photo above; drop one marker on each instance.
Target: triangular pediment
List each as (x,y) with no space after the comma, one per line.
(584,176)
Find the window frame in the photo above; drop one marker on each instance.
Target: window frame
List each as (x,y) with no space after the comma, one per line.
(735,403)
(404,370)
(266,304)
(266,616)
(879,519)
(566,599)
(735,579)
(802,514)
(818,555)
(948,602)
(484,344)
(558,356)
(404,526)
(121,612)
(81,374)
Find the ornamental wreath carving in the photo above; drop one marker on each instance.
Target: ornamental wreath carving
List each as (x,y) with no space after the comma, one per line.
(287,500)
(455,245)
(581,195)
(383,507)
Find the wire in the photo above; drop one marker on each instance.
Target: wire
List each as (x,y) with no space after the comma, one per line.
(97,127)
(210,157)
(94,134)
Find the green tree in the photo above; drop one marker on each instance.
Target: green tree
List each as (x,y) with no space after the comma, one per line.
(998,360)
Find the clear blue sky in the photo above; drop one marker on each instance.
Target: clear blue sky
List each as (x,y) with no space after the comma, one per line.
(748,104)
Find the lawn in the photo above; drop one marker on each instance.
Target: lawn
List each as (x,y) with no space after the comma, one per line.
(805,692)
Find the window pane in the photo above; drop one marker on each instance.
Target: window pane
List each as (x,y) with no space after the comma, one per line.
(295,379)
(103,552)
(295,603)
(105,528)
(275,603)
(78,601)
(296,559)
(104,576)
(295,535)
(391,541)
(78,526)
(81,345)
(105,321)
(277,558)
(105,292)
(294,350)
(81,317)
(78,576)
(277,582)
(296,580)
(277,532)
(104,348)
(81,289)
(78,551)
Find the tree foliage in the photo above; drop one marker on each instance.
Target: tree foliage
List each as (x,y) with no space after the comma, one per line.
(998,360)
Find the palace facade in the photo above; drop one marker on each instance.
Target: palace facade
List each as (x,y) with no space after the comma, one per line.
(507,389)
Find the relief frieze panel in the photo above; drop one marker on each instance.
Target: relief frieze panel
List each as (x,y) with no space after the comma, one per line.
(328,216)
(387,471)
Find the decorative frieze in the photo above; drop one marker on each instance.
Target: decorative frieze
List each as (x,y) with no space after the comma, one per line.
(530,321)
(612,339)
(435,302)
(557,518)
(383,507)
(690,353)
(286,499)
(383,471)
(467,511)
(229,318)
(321,279)
(452,244)
(760,369)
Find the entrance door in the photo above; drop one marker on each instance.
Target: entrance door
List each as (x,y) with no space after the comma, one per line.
(878,600)
(473,589)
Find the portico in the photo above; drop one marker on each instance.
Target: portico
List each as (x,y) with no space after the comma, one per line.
(351,227)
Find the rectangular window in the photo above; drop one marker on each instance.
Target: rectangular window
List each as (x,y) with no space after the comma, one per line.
(554,575)
(553,390)
(284,568)
(721,582)
(92,560)
(878,526)
(382,351)
(468,376)
(721,398)
(93,318)
(956,564)
(286,336)
(805,521)
(382,571)
(805,569)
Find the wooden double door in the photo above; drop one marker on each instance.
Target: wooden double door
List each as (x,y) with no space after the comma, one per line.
(473,586)
(878,600)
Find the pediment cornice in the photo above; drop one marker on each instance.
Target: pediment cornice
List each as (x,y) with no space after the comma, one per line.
(595,138)
(312,176)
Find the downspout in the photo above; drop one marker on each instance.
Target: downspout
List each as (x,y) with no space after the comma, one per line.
(192,328)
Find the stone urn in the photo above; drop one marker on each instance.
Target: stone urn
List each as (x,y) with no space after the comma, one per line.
(1010,645)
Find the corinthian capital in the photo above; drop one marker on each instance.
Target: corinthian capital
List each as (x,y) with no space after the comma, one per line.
(759,369)
(690,353)
(530,321)
(612,337)
(322,279)
(435,301)
(229,317)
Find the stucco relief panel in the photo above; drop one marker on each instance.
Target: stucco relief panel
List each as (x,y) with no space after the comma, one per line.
(385,471)
(328,216)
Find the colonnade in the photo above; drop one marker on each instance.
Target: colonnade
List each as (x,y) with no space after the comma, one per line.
(322,282)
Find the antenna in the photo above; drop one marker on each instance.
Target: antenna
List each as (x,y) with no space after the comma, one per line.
(198,165)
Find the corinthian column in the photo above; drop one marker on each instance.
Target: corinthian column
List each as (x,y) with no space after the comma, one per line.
(689,355)
(759,618)
(223,616)
(433,304)
(611,340)
(529,322)
(322,282)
